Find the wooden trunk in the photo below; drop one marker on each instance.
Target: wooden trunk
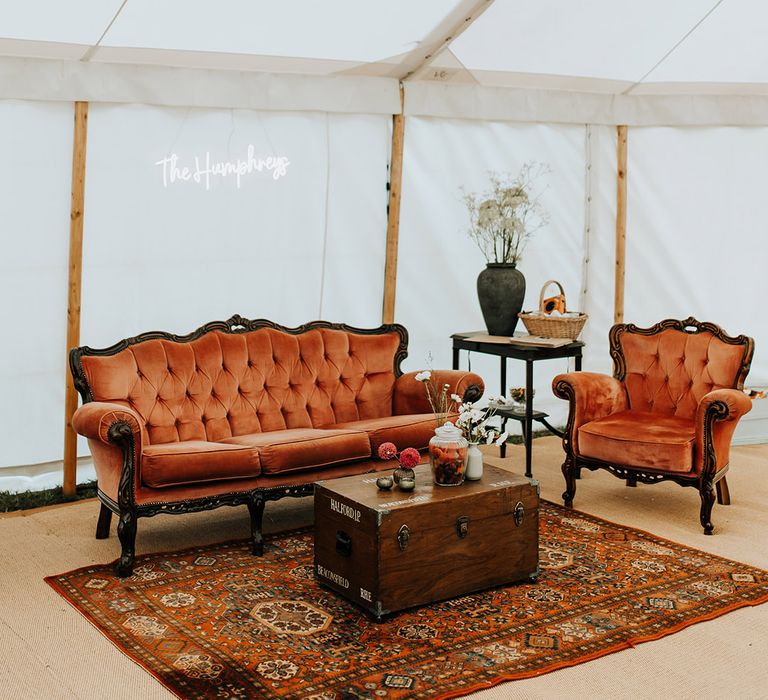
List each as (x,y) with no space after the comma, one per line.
(390,550)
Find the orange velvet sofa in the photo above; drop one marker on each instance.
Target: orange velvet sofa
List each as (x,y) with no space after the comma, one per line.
(241,412)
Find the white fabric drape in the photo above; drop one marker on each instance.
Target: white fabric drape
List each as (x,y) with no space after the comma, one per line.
(438,264)
(697,231)
(308,244)
(36,144)
(311,243)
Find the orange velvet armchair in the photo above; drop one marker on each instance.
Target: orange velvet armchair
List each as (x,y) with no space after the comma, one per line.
(668,412)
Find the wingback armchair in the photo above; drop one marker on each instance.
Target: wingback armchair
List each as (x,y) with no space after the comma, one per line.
(668,412)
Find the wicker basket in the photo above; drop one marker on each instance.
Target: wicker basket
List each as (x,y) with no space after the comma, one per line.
(552,326)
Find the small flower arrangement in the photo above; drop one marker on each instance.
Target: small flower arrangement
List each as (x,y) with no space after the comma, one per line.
(505,217)
(408,458)
(475,423)
(442,404)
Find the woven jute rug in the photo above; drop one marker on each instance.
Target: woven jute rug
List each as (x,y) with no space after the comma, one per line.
(215,622)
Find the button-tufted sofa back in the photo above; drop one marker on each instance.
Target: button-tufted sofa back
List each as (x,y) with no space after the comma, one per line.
(667,369)
(218,383)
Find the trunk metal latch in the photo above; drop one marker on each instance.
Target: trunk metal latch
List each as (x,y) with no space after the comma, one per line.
(462,526)
(518,513)
(403,535)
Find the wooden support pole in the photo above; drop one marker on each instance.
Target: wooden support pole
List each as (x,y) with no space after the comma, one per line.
(621,224)
(73,287)
(393,219)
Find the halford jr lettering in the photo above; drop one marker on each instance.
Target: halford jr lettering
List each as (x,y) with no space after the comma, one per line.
(345,510)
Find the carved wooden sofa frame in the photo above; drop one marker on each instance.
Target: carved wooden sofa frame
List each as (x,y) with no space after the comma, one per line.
(121,434)
(712,476)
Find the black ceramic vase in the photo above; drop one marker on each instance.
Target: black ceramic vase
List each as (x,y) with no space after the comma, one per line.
(501,289)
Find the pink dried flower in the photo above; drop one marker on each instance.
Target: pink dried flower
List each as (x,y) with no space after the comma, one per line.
(410,457)
(387,450)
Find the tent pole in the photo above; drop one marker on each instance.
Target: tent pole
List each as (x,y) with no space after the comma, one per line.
(393,217)
(73,287)
(621,223)
(453,24)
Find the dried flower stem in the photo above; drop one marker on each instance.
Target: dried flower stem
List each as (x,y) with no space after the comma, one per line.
(503,219)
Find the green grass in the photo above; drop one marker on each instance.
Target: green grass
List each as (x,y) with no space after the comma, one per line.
(48,497)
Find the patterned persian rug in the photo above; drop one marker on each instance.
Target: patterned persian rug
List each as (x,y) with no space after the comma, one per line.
(213,622)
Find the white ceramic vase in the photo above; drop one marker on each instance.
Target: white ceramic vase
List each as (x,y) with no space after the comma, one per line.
(474,463)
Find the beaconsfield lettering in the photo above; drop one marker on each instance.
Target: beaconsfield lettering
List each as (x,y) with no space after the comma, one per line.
(331,576)
(345,510)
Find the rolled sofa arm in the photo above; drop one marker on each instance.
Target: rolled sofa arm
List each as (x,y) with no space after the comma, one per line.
(109,427)
(591,396)
(96,421)
(411,397)
(717,415)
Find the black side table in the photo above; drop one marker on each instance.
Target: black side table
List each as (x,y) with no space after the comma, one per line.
(462,341)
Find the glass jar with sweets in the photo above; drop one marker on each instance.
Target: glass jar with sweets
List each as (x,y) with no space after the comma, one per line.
(448,455)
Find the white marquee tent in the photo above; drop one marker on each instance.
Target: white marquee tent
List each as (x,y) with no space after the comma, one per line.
(488,85)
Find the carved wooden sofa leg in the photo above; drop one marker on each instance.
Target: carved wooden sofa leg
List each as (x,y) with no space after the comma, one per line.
(126,531)
(632,481)
(256,509)
(102,526)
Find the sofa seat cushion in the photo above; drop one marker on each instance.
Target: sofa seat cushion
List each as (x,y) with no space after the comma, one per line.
(194,461)
(640,439)
(299,449)
(413,430)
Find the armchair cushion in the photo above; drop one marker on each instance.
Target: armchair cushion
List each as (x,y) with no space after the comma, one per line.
(195,461)
(413,430)
(640,439)
(299,449)
(410,396)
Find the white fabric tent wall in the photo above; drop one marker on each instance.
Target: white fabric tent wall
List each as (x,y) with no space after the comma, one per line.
(36,144)
(438,264)
(697,230)
(146,242)
(600,251)
(205,253)
(307,245)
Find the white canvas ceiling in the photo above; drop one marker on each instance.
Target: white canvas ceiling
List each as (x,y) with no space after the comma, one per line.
(614,47)
(692,62)
(291,35)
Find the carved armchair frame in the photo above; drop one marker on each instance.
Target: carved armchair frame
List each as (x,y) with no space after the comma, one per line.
(712,476)
(121,435)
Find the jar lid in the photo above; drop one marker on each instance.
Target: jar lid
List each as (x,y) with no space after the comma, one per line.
(448,431)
